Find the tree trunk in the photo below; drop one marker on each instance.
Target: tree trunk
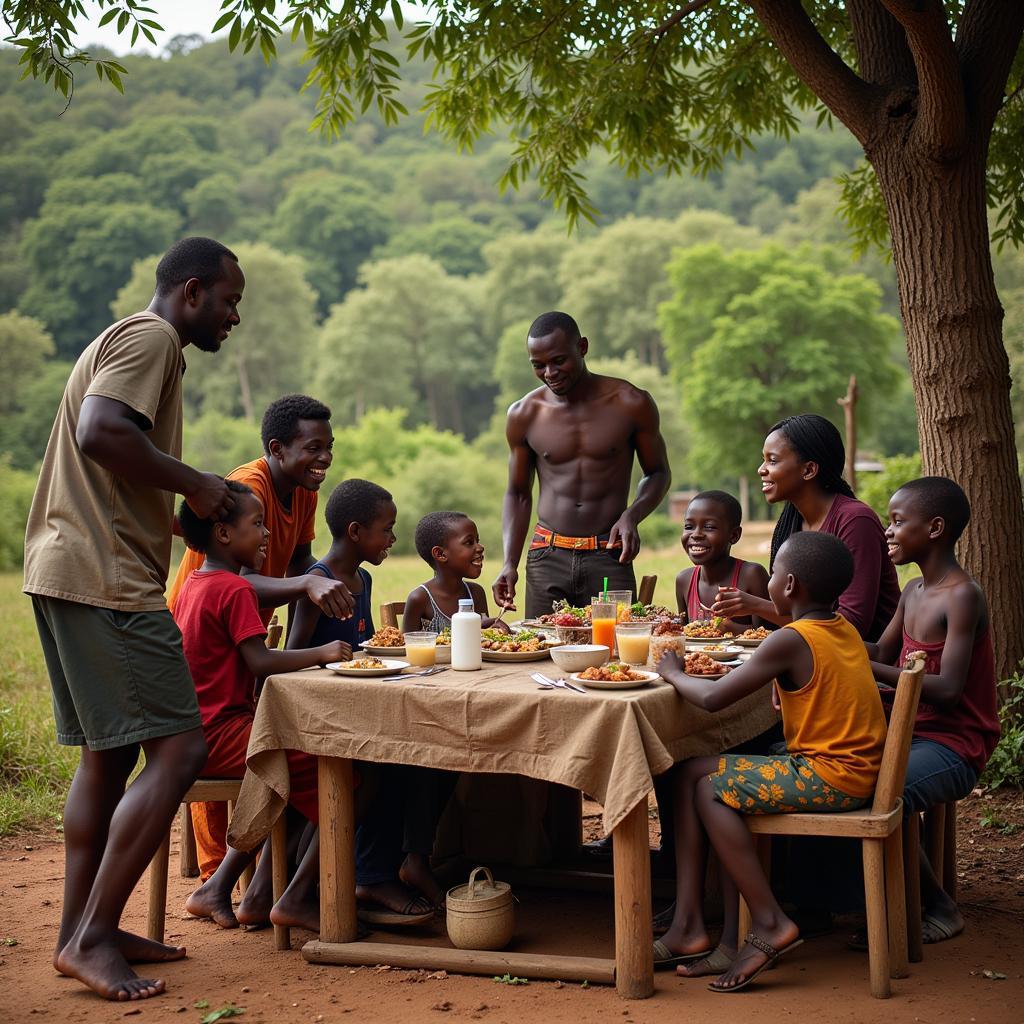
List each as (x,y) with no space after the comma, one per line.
(953,322)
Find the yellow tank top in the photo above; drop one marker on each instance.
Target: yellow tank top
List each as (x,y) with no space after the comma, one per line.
(836,720)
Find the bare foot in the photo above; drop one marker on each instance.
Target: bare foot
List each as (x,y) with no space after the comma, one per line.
(392,895)
(214,904)
(254,910)
(941,923)
(137,949)
(750,960)
(103,969)
(415,872)
(296,914)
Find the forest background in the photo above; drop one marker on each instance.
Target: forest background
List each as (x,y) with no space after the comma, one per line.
(389,277)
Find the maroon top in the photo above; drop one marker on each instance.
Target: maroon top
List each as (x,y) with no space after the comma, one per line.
(695,611)
(971,729)
(869,602)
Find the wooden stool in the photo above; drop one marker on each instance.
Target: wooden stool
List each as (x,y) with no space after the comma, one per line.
(211,791)
(940,845)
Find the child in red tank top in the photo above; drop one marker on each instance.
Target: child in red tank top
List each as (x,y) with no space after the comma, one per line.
(710,528)
(945,615)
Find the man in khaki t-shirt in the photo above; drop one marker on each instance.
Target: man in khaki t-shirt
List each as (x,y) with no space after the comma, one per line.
(97,547)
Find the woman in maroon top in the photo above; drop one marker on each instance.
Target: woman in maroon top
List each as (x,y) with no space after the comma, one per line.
(802,465)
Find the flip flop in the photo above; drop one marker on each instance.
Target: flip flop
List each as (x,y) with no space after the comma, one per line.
(384,917)
(716,963)
(665,957)
(934,929)
(769,951)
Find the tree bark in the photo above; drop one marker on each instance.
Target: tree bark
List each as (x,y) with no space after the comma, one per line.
(953,323)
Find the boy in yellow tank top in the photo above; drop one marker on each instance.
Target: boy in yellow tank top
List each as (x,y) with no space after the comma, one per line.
(835,728)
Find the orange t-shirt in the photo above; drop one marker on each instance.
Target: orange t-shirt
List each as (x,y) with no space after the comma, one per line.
(288,528)
(836,720)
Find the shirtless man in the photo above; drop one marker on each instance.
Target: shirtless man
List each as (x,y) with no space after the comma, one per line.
(578,433)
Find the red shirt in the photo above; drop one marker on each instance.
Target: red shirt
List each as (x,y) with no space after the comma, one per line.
(215,612)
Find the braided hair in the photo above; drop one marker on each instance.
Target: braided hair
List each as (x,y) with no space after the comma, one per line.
(814,439)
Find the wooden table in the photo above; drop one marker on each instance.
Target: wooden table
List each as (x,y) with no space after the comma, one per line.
(622,738)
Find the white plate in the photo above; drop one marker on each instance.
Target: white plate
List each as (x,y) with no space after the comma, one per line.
(390,667)
(729,654)
(747,643)
(383,652)
(716,675)
(513,656)
(626,684)
(709,639)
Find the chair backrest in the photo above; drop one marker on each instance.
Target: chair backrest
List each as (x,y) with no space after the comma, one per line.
(645,595)
(897,740)
(391,613)
(274,632)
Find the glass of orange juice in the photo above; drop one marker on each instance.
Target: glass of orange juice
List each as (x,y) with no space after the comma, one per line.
(634,641)
(421,648)
(602,618)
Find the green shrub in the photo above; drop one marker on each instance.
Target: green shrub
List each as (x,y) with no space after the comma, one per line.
(875,489)
(16,487)
(1006,765)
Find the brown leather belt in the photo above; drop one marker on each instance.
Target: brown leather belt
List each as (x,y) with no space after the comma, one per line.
(545,538)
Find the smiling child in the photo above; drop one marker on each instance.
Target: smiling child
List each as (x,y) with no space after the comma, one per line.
(710,528)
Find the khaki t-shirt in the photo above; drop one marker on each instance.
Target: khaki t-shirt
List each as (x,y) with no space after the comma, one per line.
(92,536)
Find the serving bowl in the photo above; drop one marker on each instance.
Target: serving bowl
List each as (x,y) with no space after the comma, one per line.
(579,657)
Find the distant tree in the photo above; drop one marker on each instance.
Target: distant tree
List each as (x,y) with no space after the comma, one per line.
(269,354)
(513,374)
(335,223)
(213,205)
(454,242)
(751,337)
(79,255)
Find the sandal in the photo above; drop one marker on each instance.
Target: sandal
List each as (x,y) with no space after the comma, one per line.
(715,963)
(412,913)
(662,921)
(665,957)
(769,951)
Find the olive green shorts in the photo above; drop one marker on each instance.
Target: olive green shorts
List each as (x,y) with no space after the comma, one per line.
(117,677)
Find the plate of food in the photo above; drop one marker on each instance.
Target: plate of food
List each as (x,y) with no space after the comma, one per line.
(616,675)
(525,645)
(385,642)
(752,637)
(368,666)
(706,629)
(703,666)
(719,652)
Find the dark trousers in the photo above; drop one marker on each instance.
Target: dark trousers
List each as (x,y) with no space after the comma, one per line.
(556,574)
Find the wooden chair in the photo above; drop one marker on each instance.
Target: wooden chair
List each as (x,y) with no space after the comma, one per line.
(645,595)
(391,613)
(940,844)
(880,831)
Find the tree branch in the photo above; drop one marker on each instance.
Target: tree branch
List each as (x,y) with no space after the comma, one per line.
(941,125)
(821,69)
(987,40)
(883,57)
(683,12)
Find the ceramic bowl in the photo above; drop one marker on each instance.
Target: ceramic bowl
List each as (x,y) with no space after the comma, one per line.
(579,657)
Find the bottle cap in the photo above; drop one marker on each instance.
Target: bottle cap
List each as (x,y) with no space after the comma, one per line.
(465,604)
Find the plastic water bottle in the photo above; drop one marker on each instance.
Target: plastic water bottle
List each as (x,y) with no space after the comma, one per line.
(466,638)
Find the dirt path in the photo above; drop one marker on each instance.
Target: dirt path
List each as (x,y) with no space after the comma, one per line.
(823,982)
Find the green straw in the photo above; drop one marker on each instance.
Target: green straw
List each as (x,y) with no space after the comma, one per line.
(606,588)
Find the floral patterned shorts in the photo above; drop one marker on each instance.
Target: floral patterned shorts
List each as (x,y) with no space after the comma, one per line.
(776,784)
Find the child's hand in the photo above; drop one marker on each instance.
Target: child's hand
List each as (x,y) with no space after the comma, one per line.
(733,604)
(332,597)
(336,650)
(670,662)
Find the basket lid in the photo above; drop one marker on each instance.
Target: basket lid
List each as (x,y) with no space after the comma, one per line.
(479,894)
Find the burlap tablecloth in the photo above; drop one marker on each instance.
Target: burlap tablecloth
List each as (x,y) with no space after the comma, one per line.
(608,744)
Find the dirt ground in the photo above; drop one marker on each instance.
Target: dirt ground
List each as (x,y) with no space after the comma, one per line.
(978,977)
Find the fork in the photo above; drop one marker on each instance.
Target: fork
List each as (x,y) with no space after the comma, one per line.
(561,684)
(412,675)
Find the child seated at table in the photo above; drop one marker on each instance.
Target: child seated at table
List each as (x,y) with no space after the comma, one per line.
(450,544)
(945,615)
(223,638)
(395,837)
(710,528)
(835,730)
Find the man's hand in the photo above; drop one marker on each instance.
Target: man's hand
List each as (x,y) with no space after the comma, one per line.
(332,597)
(504,588)
(336,650)
(626,533)
(211,499)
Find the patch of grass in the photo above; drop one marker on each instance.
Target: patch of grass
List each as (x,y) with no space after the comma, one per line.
(993,820)
(35,770)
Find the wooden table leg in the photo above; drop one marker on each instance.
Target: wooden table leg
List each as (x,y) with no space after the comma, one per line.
(634,945)
(337,850)
(279,874)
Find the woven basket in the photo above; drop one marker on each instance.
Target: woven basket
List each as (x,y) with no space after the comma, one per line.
(480,913)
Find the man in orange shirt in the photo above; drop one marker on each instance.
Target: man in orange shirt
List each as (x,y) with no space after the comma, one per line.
(297,445)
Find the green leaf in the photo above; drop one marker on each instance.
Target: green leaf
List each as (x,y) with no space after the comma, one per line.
(108,17)
(222,21)
(225,1011)
(235,34)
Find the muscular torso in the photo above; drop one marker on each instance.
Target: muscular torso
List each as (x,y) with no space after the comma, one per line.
(583,454)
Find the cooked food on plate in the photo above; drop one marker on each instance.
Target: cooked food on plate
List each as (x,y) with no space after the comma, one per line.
(613,672)
(759,633)
(697,663)
(707,629)
(363,663)
(444,638)
(387,636)
(510,643)
(668,627)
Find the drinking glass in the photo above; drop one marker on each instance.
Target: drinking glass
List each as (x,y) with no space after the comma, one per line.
(602,618)
(421,648)
(634,642)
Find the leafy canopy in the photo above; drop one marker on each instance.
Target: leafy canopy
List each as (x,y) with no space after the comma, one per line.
(665,85)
